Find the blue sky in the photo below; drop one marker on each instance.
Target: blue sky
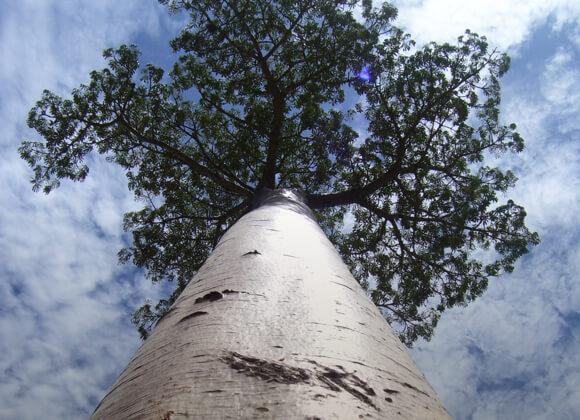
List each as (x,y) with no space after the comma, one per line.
(65,302)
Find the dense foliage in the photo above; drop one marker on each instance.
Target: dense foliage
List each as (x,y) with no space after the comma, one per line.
(262,97)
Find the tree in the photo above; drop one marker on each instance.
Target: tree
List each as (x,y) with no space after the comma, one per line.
(257,99)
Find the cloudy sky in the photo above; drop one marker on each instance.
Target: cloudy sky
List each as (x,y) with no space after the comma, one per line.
(65,302)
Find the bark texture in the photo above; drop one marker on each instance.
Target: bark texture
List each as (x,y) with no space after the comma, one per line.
(272,326)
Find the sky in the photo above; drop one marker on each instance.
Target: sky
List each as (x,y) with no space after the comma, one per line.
(65,302)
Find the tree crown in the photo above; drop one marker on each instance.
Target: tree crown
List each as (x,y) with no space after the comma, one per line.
(262,97)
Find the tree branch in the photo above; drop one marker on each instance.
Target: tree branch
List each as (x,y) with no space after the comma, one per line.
(269,175)
(181,157)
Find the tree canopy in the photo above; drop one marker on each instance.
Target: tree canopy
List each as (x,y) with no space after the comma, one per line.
(271,94)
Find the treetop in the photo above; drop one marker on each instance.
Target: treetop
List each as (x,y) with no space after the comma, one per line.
(265,94)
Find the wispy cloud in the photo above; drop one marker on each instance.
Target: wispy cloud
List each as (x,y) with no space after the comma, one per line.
(507,23)
(513,354)
(64,301)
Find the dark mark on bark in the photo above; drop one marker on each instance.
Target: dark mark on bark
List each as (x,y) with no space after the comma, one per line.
(237,292)
(263,409)
(312,418)
(210,297)
(229,292)
(278,347)
(391,391)
(291,256)
(414,388)
(269,371)
(193,315)
(278,372)
(138,367)
(389,399)
(213,391)
(344,285)
(254,252)
(169,415)
(349,382)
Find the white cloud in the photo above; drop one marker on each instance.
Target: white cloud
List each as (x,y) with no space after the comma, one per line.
(503,356)
(547,119)
(64,324)
(507,23)
(560,87)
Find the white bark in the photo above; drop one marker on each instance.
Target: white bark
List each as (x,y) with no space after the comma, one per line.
(272,326)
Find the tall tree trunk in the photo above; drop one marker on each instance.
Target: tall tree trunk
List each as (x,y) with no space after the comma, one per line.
(272,326)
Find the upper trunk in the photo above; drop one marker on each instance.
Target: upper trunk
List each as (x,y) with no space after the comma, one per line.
(272,326)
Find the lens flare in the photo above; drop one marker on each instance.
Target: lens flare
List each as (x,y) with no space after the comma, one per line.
(365,74)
